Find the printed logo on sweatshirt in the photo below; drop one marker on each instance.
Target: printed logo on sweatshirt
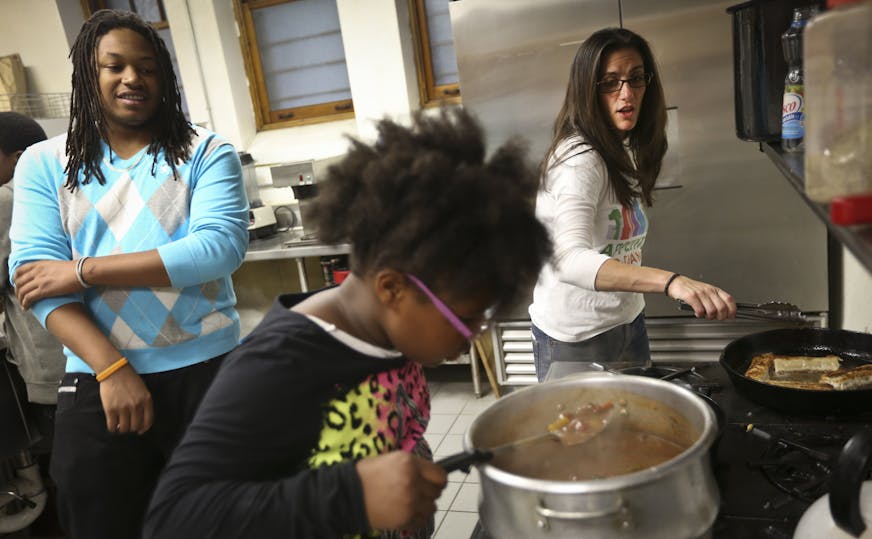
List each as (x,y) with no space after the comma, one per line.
(627,230)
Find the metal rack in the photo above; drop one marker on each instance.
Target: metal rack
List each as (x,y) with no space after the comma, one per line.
(857,239)
(673,340)
(50,105)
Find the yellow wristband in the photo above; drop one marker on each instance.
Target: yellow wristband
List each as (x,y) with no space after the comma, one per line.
(111,369)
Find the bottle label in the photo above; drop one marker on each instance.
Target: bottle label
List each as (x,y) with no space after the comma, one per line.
(792,113)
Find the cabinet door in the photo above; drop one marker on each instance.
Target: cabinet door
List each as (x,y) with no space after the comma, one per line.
(514,57)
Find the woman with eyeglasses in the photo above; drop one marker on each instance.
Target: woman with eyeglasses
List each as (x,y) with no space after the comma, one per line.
(597,177)
(315,425)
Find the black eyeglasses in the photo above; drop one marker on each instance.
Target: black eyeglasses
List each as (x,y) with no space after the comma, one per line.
(607,86)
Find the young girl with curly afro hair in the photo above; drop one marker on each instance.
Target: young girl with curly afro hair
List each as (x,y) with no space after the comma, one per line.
(315,425)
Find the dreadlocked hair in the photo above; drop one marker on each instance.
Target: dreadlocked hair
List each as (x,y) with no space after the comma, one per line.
(173,134)
(423,200)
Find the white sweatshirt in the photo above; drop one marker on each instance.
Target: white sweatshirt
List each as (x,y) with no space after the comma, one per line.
(588,226)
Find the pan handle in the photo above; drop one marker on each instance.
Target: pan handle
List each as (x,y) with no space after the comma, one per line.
(463,461)
(847,480)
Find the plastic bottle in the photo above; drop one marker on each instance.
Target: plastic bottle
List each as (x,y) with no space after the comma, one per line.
(792,110)
(838,69)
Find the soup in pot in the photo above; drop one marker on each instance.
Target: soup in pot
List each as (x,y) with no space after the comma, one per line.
(644,434)
(613,452)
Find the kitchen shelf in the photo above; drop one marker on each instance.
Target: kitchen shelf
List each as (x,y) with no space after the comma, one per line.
(857,239)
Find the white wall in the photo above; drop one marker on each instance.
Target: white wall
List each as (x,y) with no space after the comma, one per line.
(53,126)
(381,72)
(857,283)
(188,58)
(34,30)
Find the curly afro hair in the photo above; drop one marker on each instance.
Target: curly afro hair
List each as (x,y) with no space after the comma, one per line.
(423,200)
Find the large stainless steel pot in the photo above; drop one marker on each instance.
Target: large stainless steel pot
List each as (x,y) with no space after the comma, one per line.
(674,500)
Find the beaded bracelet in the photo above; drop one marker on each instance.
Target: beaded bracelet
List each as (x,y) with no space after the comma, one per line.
(669,282)
(111,369)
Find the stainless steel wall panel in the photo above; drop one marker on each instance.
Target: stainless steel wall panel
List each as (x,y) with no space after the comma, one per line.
(514,56)
(735,222)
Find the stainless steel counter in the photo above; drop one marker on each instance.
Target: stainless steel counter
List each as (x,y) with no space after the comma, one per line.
(290,244)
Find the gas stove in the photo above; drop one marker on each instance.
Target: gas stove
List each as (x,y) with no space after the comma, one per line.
(769,465)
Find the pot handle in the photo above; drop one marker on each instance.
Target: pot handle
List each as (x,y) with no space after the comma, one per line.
(462,461)
(546,513)
(846,481)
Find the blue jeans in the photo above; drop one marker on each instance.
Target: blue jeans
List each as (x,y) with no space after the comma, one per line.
(626,344)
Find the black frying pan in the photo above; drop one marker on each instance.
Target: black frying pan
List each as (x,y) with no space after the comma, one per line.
(854,348)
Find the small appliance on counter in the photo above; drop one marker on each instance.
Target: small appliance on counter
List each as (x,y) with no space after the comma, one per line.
(305,194)
(261,218)
(261,222)
(302,178)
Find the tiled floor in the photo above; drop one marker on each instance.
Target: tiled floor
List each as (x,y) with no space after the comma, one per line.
(453,407)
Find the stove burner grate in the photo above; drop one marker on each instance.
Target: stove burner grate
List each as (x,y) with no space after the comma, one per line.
(794,468)
(688,377)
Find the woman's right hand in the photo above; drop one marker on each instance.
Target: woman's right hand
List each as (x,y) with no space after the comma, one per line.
(400,490)
(127,402)
(708,301)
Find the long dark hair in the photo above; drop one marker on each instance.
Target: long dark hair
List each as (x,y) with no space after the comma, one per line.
(582,114)
(173,134)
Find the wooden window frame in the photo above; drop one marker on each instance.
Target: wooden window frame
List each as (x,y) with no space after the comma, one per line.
(432,95)
(267,118)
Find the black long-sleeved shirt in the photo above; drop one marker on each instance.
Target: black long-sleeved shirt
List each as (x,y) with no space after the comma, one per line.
(271,450)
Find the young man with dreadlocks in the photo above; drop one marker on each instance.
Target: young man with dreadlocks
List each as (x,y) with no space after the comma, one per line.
(124,234)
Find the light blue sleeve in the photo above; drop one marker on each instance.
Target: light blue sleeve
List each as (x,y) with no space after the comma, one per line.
(36,232)
(218,221)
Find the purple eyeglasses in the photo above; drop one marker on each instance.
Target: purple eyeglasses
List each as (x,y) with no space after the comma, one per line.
(449,315)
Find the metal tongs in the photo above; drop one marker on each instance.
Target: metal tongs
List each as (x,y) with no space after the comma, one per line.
(772,310)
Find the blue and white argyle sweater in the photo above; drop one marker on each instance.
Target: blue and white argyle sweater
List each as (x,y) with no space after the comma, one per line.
(197,222)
